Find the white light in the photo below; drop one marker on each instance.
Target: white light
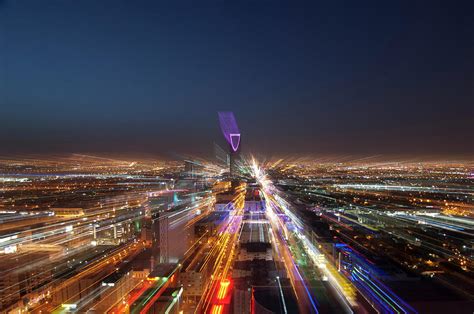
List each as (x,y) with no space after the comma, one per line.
(10,249)
(69,306)
(8,238)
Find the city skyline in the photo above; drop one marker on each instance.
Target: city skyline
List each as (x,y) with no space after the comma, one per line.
(236,157)
(85,233)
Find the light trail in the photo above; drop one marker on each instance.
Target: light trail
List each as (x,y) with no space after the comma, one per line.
(275,202)
(281,295)
(405,188)
(226,241)
(298,283)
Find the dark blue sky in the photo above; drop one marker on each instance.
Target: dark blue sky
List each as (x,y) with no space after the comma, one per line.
(150,76)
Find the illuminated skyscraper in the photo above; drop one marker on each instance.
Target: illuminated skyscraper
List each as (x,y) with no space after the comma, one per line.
(231,133)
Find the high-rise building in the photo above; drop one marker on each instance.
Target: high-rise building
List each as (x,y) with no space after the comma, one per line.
(231,133)
(169,240)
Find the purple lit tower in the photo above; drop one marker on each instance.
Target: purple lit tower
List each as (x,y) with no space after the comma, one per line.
(231,133)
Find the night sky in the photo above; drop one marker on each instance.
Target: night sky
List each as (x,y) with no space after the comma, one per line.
(149,76)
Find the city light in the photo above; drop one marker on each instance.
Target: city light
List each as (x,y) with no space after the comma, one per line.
(236,157)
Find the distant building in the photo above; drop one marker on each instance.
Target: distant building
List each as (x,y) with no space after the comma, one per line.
(68,212)
(210,224)
(76,290)
(194,284)
(224,201)
(232,198)
(112,234)
(253,201)
(170,240)
(114,289)
(21,275)
(169,302)
(193,168)
(146,234)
